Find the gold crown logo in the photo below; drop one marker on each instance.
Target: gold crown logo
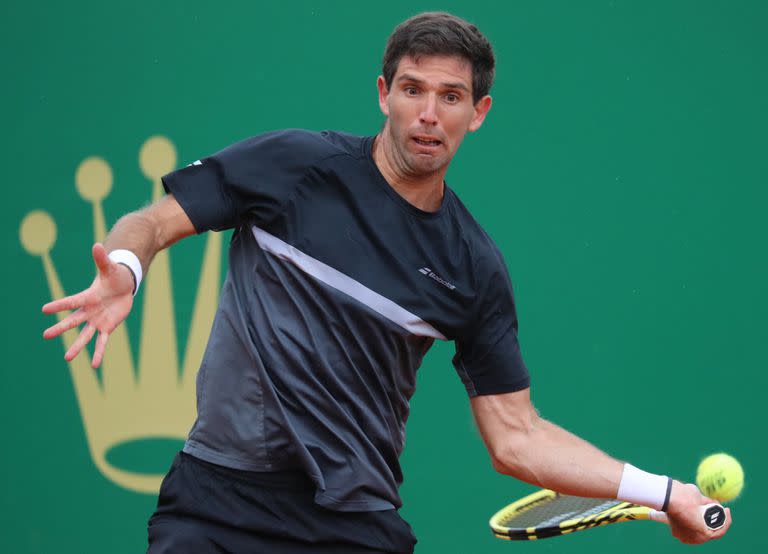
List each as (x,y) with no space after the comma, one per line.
(157,401)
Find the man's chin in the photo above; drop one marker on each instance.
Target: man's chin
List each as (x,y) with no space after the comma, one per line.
(426,165)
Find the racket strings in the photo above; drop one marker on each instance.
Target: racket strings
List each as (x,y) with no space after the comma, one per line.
(559,509)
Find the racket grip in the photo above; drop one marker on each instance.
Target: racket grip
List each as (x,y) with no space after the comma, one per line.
(712,514)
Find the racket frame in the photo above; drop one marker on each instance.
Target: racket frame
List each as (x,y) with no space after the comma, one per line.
(618,512)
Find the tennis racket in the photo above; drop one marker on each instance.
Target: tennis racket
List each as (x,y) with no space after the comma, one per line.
(546,514)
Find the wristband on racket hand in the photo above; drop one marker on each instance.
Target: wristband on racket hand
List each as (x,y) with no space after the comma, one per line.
(131,261)
(643,488)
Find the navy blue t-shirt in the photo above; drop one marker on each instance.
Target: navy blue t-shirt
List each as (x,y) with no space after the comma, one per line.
(336,288)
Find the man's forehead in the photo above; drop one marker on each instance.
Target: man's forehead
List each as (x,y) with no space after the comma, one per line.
(455,67)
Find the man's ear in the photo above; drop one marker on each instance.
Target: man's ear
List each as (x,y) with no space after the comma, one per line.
(381,84)
(481,110)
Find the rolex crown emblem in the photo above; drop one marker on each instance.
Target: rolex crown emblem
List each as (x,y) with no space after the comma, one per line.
(154,399)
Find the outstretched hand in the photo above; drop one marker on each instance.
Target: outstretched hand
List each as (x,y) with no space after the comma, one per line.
(102,306)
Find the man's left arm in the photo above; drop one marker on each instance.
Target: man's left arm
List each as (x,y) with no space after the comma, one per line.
(525,446)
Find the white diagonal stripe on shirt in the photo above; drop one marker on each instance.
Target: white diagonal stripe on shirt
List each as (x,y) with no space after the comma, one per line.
(336,279)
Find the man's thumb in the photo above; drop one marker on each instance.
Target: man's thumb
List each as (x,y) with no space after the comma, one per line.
(100,257)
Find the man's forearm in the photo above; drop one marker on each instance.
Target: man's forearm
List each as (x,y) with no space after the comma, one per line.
(149,230)
(548,456)
(137,232)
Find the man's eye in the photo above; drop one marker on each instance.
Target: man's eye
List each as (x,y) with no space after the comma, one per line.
(451,98)
(411,91)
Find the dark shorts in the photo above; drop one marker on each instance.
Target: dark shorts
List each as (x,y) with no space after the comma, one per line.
(205,508)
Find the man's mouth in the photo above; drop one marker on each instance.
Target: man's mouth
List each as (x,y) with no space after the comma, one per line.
(424,141)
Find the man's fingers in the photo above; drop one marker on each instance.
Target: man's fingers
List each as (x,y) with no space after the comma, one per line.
(85,336)
(101,344)
(101,259)
(67,303)
(69,322)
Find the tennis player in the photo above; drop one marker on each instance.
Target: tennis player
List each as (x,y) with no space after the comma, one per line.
(350,256)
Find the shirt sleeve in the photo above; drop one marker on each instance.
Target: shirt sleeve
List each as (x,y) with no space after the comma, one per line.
(488,357)
(252,179)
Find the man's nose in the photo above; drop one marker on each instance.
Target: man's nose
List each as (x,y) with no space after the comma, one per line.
(429,109)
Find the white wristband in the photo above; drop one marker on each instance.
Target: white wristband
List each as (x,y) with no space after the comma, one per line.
(646,489)
(131,261)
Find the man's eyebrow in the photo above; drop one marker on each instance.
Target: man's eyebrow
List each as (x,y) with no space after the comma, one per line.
(408,77)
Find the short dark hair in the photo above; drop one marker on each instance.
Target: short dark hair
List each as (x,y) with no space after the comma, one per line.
(441,34)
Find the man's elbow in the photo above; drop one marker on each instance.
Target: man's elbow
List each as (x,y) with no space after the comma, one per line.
(507,457)
(514,453)
(510,426)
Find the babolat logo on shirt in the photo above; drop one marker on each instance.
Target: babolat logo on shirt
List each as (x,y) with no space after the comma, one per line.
(429,273)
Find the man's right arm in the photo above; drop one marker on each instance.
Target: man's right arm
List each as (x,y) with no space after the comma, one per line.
(147,231)
(108,301)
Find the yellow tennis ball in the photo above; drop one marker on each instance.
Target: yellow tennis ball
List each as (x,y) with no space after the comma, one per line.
(720,477)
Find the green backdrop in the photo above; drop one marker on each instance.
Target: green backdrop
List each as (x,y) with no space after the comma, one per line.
(622,172)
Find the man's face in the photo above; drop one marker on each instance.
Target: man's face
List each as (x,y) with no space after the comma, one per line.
(429,109)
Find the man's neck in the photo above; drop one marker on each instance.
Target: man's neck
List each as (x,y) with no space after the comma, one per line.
(423,192)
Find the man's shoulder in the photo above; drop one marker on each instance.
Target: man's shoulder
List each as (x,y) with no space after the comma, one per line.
(481,246)
(319,144)
(471,228)
(346,143)
(292,149)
